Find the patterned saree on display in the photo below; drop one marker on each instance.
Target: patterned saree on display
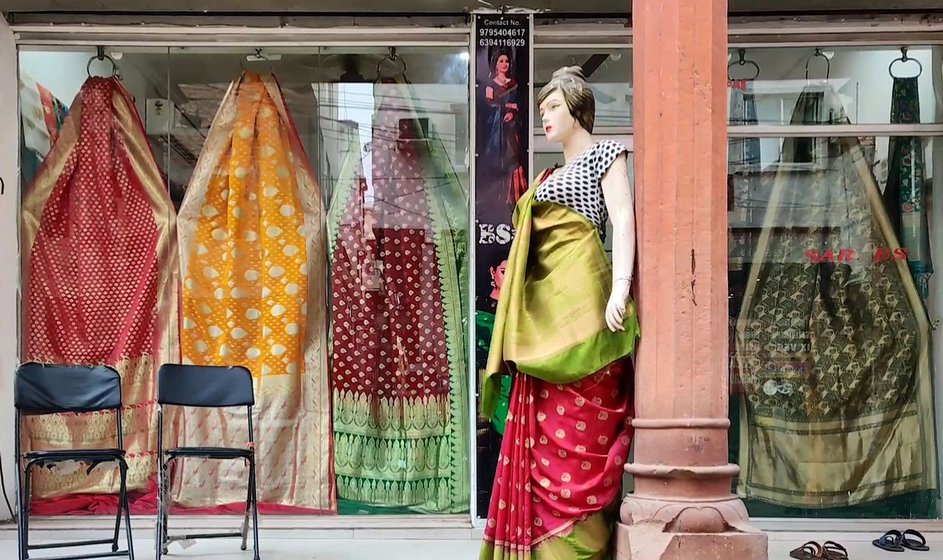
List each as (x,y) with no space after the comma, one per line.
(99,273)
(905,196)
(252,244)
(569,425)
(832,338)
(400,381)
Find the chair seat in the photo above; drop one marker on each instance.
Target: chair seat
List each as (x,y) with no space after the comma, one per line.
(76,455)
(210,452)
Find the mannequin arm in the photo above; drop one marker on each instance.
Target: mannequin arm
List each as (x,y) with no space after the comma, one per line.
(621,207)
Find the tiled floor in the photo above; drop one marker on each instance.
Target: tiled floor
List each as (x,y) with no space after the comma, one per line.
(441,539)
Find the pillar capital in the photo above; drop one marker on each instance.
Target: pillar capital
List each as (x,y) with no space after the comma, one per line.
(682,506)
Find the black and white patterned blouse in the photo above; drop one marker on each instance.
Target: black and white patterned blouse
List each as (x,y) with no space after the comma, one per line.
(578,184)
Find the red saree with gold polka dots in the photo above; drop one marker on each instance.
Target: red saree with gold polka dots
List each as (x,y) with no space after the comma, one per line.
(254,269)
(100,267)
(568,432)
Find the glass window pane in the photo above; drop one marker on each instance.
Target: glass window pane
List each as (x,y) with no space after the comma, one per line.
(608,71)
(97,260)
(380,162)
(867,80)
(832,297)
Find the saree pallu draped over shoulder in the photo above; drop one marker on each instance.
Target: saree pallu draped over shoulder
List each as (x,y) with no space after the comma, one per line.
(558,480)
(551,323)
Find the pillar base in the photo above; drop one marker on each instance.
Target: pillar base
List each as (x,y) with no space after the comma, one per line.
(653,529)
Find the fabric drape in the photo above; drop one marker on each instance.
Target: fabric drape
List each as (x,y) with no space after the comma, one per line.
(568,428)
(548,323)
(905,195)
(400,381)
(832,346)
(100,272)
(252,237)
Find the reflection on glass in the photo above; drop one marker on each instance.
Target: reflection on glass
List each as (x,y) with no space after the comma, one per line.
(608,71)
(98,269)
(863,78)
(829,323)
(320,199)
(385,140)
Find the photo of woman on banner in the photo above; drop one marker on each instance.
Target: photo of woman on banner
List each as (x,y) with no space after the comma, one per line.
(503,122)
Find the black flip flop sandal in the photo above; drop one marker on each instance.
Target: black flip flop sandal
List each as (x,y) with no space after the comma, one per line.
(919,542)
(831,550)
(889,541)
(809,551)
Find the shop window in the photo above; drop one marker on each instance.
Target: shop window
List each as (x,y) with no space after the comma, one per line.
(608,71)
(833,292)
(774,78)
(832,295)
(302,212)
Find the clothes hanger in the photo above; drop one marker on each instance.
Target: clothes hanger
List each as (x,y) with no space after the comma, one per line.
(392,57)
(101,56)
(743,61)
(819,54)
(905,59)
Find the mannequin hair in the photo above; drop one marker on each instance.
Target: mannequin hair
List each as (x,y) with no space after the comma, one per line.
(576,92)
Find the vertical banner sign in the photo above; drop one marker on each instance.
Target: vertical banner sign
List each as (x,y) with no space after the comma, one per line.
(502,154)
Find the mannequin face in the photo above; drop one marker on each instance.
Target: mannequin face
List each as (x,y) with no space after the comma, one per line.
(556,119)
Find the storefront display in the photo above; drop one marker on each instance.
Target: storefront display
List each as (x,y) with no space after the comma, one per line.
(346,291)
(400,378)
(833,354)
(254,269)
(99,276)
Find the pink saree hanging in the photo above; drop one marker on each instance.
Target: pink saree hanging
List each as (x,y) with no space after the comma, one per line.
(99,266)
(254,269)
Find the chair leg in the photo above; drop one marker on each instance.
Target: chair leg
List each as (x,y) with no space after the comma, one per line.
(245,518)
(21,514)
(255,509)
(27,498)
(158,529)
(126,505)
(114,540)
(165,510)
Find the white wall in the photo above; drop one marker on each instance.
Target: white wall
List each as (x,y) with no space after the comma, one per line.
(9,254)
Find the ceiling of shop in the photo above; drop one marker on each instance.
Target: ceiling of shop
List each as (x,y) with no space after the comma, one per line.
(439,6)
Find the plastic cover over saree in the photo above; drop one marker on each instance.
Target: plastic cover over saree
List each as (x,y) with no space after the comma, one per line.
(832,338)
(100,268)
(254,269)
(398,269)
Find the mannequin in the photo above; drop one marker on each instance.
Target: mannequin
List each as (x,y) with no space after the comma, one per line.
(564,330)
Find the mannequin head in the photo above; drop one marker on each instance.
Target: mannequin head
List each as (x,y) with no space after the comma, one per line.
(566,104)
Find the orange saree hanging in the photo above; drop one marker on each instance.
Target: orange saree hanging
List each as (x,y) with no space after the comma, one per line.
(99,266)
(254,267)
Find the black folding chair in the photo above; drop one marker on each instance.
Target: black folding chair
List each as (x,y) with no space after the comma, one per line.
(205,387)
(48,389)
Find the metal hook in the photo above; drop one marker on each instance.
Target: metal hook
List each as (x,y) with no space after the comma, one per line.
(819,54)
(743,61)
(905,59)
(392,57)
(101,56)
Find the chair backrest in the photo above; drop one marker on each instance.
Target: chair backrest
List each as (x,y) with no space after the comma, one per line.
(204,386)
(47,389)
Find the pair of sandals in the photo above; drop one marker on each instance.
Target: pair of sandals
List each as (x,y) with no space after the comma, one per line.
(896,541)
(829,550)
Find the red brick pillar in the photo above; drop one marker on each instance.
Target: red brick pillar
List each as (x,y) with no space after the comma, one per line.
(682,507)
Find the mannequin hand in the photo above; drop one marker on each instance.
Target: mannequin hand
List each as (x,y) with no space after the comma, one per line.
(615,309)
